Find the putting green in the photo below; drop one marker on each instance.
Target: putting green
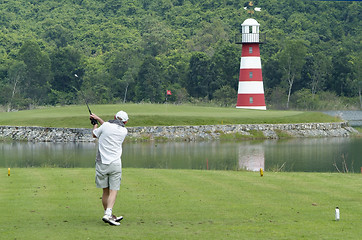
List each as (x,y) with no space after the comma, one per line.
(77,116)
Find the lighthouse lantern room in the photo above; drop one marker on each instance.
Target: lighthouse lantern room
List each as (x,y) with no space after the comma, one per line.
(251,88)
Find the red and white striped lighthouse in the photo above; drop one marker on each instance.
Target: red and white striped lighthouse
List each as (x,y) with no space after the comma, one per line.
(251,88)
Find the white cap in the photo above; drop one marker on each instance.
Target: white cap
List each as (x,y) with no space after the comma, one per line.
(121,115)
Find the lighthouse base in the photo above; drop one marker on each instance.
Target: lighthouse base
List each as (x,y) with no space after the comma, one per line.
(254,107)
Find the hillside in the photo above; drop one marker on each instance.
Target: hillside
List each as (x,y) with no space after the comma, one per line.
(133,51)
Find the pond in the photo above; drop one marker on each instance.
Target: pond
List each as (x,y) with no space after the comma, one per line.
(302,154)
(354,118)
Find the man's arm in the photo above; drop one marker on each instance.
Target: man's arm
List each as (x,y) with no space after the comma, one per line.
(95,126)
(100,120)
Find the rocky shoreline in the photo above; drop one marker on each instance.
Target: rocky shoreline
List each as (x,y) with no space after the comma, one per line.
(183,133)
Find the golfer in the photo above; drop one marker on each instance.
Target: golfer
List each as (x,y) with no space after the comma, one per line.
(110,136)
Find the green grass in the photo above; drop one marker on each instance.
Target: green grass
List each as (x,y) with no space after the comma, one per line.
(359,129)
(56,203)
(76,116)
(254,134)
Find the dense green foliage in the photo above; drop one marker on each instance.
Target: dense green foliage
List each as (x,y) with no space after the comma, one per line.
(133,51)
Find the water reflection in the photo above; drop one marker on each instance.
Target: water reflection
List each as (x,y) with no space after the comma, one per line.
(251,157)
(320,154)
(29,154)
(314,155)
(181,155)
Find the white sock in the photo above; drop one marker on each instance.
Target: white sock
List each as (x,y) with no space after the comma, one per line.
(108,212)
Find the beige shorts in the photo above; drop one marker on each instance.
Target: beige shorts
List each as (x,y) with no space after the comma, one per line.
(108,175)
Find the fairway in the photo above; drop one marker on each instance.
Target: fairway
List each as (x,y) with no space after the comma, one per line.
(77,116)
(56,203)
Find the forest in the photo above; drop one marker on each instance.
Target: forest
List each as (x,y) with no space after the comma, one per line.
(55,52)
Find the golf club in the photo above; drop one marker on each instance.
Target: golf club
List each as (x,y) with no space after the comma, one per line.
(93,121)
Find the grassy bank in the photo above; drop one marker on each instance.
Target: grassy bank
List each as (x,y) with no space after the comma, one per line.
(157,115)
(55,203)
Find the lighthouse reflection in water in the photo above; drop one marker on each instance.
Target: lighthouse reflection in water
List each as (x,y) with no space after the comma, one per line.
(302,154)
(251,157)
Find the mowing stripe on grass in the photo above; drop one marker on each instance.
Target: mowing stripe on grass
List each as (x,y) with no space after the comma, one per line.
(77,116)
(57,203)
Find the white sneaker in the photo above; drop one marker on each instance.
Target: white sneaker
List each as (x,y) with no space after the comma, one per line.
(111,220)
(118,219)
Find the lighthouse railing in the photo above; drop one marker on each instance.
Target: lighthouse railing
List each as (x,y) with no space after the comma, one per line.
(250,38)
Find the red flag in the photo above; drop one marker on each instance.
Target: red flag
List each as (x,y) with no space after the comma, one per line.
(168,92)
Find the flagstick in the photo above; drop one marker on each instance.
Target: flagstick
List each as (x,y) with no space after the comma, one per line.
(166,102)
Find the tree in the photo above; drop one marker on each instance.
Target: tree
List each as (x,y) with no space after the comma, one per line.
(123,67)
(207,35)
(292,59)
(175,67)
(58,34)
(304,99)
(227,66)
(37,74)
(94,81)
(321,69)
(65,62)
(172,31)
(161,6)
(275,97)
(357,69)
(199,78)
(127,79)
(272,72)
(156,36)
(226,96)
(149,83)
(316,72)
(342,74)
(16,75)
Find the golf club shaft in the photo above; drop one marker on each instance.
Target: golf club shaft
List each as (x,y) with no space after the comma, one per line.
(93,121)
(90,112)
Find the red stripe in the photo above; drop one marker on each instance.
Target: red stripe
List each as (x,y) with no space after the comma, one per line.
(245,75)
(245,50)
(244,100)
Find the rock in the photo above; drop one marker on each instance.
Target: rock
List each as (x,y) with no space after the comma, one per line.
(186,133)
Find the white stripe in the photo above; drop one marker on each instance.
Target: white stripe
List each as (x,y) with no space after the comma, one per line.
(251,87)
(250,62)
(254,107)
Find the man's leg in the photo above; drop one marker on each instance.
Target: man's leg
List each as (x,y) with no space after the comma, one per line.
(109,198)
(105,197)
(110,193)
(108,201)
